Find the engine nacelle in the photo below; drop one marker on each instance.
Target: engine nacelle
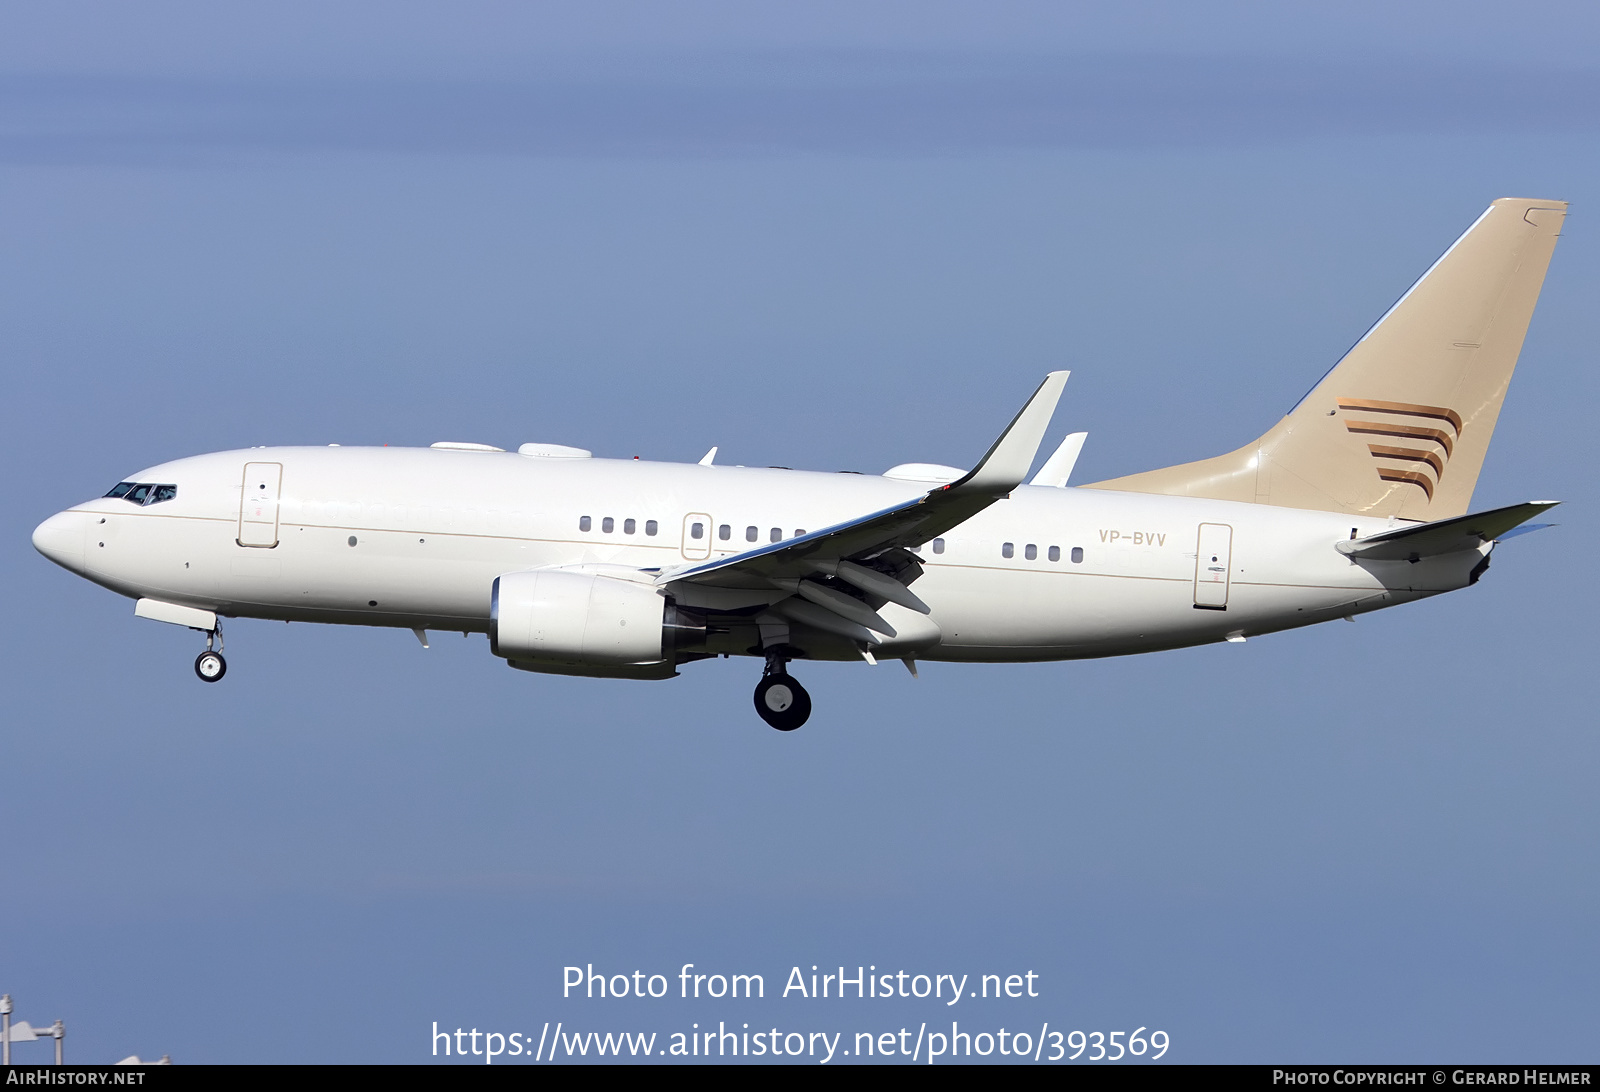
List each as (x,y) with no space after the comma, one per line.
(575,618)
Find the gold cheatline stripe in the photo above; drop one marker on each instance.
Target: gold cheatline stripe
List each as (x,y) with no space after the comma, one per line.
(1413,454)
(1438,412)
(1410,432)
(1411,476)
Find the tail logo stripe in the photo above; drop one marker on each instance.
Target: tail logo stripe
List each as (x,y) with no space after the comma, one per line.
(1408,432)
(1409,454)
(1411,476)
(1437,412)
(1424,426)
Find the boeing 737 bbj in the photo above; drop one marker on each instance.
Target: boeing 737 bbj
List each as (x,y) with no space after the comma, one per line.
(1356,500)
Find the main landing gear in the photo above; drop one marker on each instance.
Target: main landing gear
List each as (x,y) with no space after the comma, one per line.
(780,700)
(210,665)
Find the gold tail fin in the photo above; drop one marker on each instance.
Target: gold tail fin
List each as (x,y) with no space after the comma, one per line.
(1401,425)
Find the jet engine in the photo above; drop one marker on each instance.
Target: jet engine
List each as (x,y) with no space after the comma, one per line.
(584,620)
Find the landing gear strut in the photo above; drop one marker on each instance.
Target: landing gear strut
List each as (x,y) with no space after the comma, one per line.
(210,665)
(780,700)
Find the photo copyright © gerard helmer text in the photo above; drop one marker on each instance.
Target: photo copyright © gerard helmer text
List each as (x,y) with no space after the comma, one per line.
(940,1038)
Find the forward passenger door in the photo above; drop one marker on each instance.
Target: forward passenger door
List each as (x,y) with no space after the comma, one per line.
(258,504)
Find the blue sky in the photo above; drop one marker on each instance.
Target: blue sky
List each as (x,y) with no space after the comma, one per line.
(829,236)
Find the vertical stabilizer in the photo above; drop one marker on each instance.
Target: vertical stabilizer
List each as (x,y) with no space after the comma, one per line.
(1401,425)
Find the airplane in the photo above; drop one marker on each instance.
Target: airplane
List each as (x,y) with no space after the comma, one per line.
(1357,500)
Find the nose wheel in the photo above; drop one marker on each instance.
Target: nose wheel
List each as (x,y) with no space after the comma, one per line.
(781,701)
(210,665)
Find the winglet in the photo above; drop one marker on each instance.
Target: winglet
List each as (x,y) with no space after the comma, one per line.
(1058,467)
(709,457)
(1006,465)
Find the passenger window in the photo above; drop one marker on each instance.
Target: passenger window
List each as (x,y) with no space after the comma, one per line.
(938,545)
(1007,550)
(751,534)
(798,531)
(120,490)
(777,534)
(1031,552)
(628,526)
(697,530)
(1077,555)
(650,527)
(608,525)
(138,493)
(724,532)
(1055,553)
(163,493)
(584,523)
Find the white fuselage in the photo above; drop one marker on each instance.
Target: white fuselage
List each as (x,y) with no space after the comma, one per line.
(415,537)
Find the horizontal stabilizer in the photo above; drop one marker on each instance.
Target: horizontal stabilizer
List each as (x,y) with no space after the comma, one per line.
(1525,529)
(1445,536)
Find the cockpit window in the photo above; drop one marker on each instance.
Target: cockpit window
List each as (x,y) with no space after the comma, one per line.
(143,493)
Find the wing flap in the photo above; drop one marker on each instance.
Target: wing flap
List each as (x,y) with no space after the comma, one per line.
(873,582)
(818,617)
(843,605)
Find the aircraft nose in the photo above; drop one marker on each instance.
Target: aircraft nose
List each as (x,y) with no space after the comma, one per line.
(61,539)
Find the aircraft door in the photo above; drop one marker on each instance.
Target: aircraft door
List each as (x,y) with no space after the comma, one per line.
(697,536)
(258,504)
(1213,561)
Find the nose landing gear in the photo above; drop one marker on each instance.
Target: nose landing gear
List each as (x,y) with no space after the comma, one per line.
(210,665)
(781,701)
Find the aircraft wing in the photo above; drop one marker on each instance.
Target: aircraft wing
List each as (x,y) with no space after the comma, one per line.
(840,550)
(1445,536)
